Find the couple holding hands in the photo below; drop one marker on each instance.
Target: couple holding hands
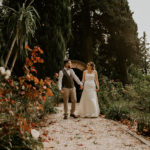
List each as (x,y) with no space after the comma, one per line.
(88,106)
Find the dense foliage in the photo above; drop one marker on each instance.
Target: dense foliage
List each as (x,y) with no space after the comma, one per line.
(22,26)
(104,31)
(130,102)
(52,34)
(24,101)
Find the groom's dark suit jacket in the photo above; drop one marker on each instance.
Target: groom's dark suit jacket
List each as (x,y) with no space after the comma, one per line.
(67,81)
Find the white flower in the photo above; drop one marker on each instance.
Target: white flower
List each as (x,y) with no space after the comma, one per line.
(35,134)
(2,70)
(6,77)
(11,112)
(44,87)
(8,73)
(23,87)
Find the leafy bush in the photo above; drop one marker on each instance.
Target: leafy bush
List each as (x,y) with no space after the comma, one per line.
(144,124)
(131,101)
(117,111)
(23,102)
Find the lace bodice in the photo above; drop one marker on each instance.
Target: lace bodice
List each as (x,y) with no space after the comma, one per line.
(89,81)
(89,76)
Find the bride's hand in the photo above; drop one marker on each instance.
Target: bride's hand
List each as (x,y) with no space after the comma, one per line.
(62,92)
(81,87)
(97,90)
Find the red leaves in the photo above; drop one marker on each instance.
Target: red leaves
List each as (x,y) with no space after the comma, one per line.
(30,94)
(90,130)
(78,120)
(45,133)
(41,82)
(24,126)
(33,69)
(56,75)
(36,49)
(47,81)
(41,60)
(8,100)
(29,67)
(125,91)
(41,107)
(36,80)
(12,101)
(80,144)
(27,47)
(89,138)
(45,140)
(44,98)
(33,125)
(84,126)
(2,92)
(28,62)
(34,58)
(49,92)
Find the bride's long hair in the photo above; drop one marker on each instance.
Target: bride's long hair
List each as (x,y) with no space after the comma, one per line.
(91,63)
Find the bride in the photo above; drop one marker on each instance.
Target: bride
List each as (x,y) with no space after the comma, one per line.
(88,106)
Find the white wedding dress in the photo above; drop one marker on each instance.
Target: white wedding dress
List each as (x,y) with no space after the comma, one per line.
(88,106)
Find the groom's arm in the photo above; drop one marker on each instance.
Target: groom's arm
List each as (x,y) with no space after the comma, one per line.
(76,78)
(60,80)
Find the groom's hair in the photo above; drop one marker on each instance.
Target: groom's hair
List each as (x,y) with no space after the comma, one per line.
(66,61)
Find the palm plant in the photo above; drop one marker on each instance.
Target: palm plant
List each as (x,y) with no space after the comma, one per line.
(21,26)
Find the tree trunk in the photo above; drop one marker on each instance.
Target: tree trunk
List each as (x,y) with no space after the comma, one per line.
(14,60)
(87,42)
(11,48)
(123,71)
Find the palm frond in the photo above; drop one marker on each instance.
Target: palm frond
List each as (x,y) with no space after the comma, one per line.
(30,3)
(25,21)
(9,8)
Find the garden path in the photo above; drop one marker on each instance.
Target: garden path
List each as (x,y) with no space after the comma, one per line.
(86,134)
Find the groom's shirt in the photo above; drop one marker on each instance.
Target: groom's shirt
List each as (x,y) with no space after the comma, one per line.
(69,72)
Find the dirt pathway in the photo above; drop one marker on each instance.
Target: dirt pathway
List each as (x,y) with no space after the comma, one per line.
(86,134)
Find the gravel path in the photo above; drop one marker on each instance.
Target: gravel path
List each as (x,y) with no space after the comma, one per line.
(86,134)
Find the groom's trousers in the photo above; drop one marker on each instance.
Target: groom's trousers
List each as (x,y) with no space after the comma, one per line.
(69,93)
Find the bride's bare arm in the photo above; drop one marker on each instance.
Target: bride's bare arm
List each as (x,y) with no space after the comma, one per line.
(83,77)
(96,80)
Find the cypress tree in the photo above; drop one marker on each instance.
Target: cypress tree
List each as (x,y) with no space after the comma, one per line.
(144,51)
(53,33)
(104,31)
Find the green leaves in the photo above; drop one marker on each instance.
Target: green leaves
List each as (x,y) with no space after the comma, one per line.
(22,25)
(117,49)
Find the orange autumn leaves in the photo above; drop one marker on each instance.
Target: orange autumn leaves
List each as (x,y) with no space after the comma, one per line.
(49,92)
(39,90)
(43,86)
(23,99)
(23,125)
(34,58)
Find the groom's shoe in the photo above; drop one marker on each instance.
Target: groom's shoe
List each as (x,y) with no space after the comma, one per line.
(73,115)
(65,117)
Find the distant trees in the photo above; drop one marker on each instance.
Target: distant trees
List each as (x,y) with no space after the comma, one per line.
(104,31)
(145,54)
(99,30)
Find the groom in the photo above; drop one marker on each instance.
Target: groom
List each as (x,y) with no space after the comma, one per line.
(67,88)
